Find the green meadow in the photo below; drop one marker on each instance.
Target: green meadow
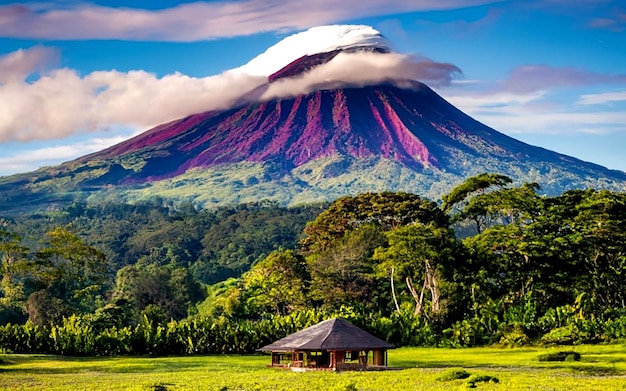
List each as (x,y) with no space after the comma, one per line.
(601,367)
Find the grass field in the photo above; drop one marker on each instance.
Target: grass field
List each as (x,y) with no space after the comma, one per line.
(602,367)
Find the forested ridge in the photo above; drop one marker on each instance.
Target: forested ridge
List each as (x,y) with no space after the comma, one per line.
(489,263)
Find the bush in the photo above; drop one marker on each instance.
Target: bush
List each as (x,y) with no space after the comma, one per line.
(615,328)
(560,356)
(514,338)
(453,374)
(468,333)
(471,382)
(566,335)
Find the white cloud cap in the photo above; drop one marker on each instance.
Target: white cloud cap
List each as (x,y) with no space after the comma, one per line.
(315,40)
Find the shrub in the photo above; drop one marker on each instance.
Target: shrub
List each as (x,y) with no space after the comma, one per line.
(467,333)
(560,356)
(453,374)
(514,338)
(615,328)
(471,382)
(566,335)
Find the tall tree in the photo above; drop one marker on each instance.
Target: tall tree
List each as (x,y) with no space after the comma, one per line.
(66,270)
(472,200)
(13,289)
(419,253)
(600,237)
(343,274)
(386,210)
(167,288)
(474,185)
(278,284)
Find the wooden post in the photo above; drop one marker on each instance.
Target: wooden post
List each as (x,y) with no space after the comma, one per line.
(379,357)
(340,356)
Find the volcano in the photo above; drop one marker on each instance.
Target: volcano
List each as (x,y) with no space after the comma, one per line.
(411,126)
(396,135)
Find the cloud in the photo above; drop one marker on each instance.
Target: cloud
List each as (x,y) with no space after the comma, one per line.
(536,113)
(31,159)
(529,78)
(20,64)
(525,119)
(198,20)
(482,101)
(538,99)
(601,98)
(62,102)
(361,69)
(615,23)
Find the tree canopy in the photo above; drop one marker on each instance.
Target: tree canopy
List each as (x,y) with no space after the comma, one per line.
(530,262)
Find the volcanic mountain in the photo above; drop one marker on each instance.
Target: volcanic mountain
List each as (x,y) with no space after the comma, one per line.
(390,135)
(412,126)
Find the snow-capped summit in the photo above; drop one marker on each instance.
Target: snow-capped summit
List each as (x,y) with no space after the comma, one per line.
(315,40)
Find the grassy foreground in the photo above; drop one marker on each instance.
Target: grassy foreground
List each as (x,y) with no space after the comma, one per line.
(601,367)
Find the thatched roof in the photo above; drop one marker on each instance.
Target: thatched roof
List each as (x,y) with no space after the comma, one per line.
(331,334)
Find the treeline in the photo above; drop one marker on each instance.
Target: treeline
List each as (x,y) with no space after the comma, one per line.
(81,336)
(489,263)
(150,258)
(216,244)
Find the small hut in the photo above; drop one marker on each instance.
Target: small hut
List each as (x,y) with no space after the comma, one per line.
(334,344)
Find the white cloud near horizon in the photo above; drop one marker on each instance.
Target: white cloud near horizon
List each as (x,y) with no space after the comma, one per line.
(536,113)
(602,98)
(523,120)
(530,78)
(528,101)
(36,157)
(199,20)
(64,103)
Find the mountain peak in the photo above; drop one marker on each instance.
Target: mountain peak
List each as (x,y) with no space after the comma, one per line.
(308,62)
(316,40)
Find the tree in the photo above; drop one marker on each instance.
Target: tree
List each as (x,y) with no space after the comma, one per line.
(70,270)
(510,262)
(418,252)
(599,233)
(557,248)
(45,309)
(472,201)
(13,258)
(474,185)
(278,284)
(170,288)
(504,206)
(343,274)
(385,210)
(66,274)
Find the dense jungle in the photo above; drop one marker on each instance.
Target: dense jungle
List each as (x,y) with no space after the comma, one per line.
(489,263)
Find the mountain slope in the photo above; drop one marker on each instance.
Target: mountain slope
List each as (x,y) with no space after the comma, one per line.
(308,148)
(413,126)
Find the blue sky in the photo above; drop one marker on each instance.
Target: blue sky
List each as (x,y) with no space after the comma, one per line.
(77,76)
